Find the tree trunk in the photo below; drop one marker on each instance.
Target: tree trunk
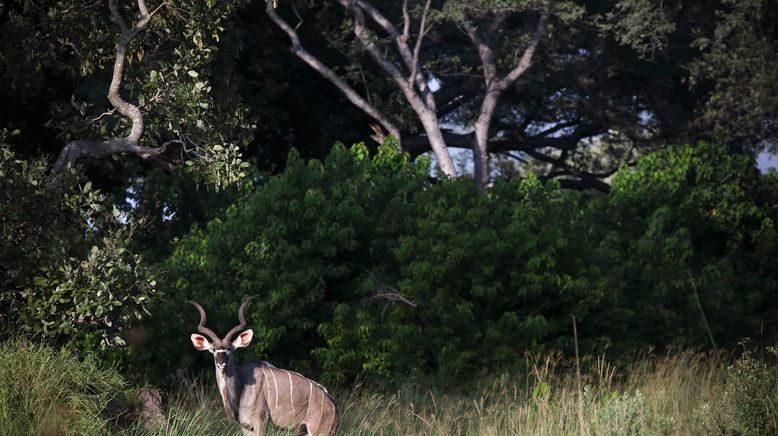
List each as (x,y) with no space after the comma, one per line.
(481,146)
(438,144)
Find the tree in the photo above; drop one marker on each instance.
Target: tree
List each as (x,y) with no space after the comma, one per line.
(71,262)
(480,22)
(80,149)
(738,53)
(162,59)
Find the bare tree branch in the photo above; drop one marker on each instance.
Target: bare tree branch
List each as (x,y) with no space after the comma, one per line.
(419,39)
(331,76)
(563,168)
(360,30)
(142,7)
(386,292)
(81,149)
(123,107)
(514,141)
(401,41)
(425,110)
(104,114)
(529,52)
(406,23)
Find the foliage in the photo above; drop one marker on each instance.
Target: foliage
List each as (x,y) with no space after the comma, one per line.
(483,271)
(737,60)
(640,24)
(366,269)
(302,244)
(66,269)
(173,73)
(47,392)
(689,236)
(335,248)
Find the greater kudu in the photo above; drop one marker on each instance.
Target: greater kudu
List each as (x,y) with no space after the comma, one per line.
(256,392)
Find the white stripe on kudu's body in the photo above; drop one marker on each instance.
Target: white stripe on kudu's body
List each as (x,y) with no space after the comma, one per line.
(246,390)
(275,383)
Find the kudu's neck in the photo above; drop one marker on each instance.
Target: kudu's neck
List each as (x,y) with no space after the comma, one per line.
(230,388)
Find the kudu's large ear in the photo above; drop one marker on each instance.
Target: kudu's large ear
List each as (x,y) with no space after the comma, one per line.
(243,339)
(200,342)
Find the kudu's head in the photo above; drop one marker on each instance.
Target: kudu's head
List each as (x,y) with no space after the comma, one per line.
(221,348)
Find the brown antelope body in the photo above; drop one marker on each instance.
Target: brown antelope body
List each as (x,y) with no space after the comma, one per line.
(258,392)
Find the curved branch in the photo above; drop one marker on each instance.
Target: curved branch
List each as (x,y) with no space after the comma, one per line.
(125,108)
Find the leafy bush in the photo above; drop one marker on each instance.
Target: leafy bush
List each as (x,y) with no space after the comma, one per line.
(305,242)
(752,396)
(491,280)
(66,269)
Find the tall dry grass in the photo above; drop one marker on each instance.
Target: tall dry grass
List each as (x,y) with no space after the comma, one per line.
(46,392)
(659,396)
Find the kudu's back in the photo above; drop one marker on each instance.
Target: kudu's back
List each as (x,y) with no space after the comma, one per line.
(290,400)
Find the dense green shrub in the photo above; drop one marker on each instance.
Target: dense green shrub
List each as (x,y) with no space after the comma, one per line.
(491,278)
(66,271)
(688,237)
(366,268)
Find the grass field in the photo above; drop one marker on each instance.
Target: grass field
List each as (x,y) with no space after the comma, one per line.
(684,393)
(678,394)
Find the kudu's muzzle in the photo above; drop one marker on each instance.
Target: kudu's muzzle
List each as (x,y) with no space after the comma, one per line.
(222,358)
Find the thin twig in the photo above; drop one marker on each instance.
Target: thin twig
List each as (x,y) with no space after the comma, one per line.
(417,48)
(406,22)
(104,114)
(297,14)
(391,296)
